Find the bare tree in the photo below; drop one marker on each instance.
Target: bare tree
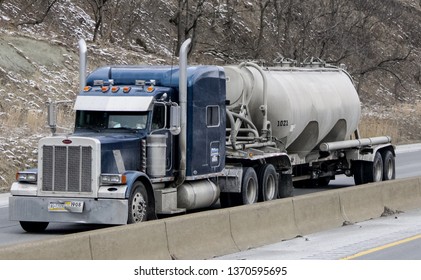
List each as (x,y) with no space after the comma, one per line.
(40,10)
(97,7)
(186,19)
(263,4)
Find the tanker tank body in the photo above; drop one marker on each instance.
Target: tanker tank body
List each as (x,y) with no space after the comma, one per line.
(306,106)
(311,113)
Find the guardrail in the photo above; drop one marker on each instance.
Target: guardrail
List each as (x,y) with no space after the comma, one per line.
(208,234)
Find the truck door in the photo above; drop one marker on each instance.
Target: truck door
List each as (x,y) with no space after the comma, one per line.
(159,125)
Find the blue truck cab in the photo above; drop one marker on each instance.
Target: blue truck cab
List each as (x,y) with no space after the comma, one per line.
(122,163)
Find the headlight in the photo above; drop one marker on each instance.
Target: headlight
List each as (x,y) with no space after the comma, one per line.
(27,177)
(113,179)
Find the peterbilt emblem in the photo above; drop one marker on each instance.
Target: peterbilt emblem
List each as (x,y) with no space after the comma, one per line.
(67,141)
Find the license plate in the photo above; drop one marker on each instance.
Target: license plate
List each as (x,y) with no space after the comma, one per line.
(66,206)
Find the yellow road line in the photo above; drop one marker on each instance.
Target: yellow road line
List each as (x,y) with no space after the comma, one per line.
(363,253)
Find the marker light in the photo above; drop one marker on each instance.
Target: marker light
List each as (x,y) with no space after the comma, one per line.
(126,89)
(104,89)
(150,89)
(87,88)
(115,89)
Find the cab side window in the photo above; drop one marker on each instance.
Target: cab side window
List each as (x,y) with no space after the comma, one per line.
(212,116)
(159,117)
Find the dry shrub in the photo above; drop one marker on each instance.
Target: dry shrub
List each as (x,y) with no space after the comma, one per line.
(400,121)
(374,126)
(35,121)
(32,121)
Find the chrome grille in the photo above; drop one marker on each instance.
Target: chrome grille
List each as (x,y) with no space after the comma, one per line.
(67,169)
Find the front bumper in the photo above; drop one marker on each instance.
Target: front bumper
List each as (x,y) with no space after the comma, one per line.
(95,211)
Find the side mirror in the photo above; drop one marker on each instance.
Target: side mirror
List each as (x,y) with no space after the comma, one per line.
(175,119)
(52,119)
(52,114)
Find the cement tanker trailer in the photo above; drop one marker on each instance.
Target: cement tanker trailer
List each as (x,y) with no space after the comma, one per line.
(160,140)
(310,113)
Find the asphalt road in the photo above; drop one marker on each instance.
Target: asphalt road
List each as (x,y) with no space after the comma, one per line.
(408,165)
(404,249)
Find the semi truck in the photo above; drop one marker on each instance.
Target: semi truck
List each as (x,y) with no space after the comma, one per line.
(152,141)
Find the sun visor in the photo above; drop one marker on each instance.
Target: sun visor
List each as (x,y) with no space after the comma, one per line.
(113,103)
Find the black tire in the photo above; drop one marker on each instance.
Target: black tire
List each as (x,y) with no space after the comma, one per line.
(389,170)
(377,168)
(285,186)
(140,207)
(268,182)
(358,170)
(368,172)
(33,226)
(227,200)
(323,182)
(249,187)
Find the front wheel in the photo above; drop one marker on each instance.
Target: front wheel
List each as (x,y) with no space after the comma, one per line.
(33,226)
(140,208)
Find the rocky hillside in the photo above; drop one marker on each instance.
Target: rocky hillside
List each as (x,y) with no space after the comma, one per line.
(378,40)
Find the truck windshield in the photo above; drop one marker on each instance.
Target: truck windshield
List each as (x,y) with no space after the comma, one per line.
(99,120)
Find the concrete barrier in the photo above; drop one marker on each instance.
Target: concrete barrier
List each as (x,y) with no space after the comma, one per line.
(69,247)
(402,194)
(204,235)
(137,241)
(200,235)
(361,203)
(317,211)
(263,223)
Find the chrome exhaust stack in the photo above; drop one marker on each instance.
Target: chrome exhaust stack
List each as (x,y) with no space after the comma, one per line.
(82,64)
(182,85)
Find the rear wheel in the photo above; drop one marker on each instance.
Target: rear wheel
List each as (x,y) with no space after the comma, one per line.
(33,226)
(368,172)
(268,182)
(249,186)
(140,209)
(377,167)
(285,186)
(389,172)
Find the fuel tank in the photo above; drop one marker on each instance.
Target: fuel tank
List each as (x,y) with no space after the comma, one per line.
(305,106)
